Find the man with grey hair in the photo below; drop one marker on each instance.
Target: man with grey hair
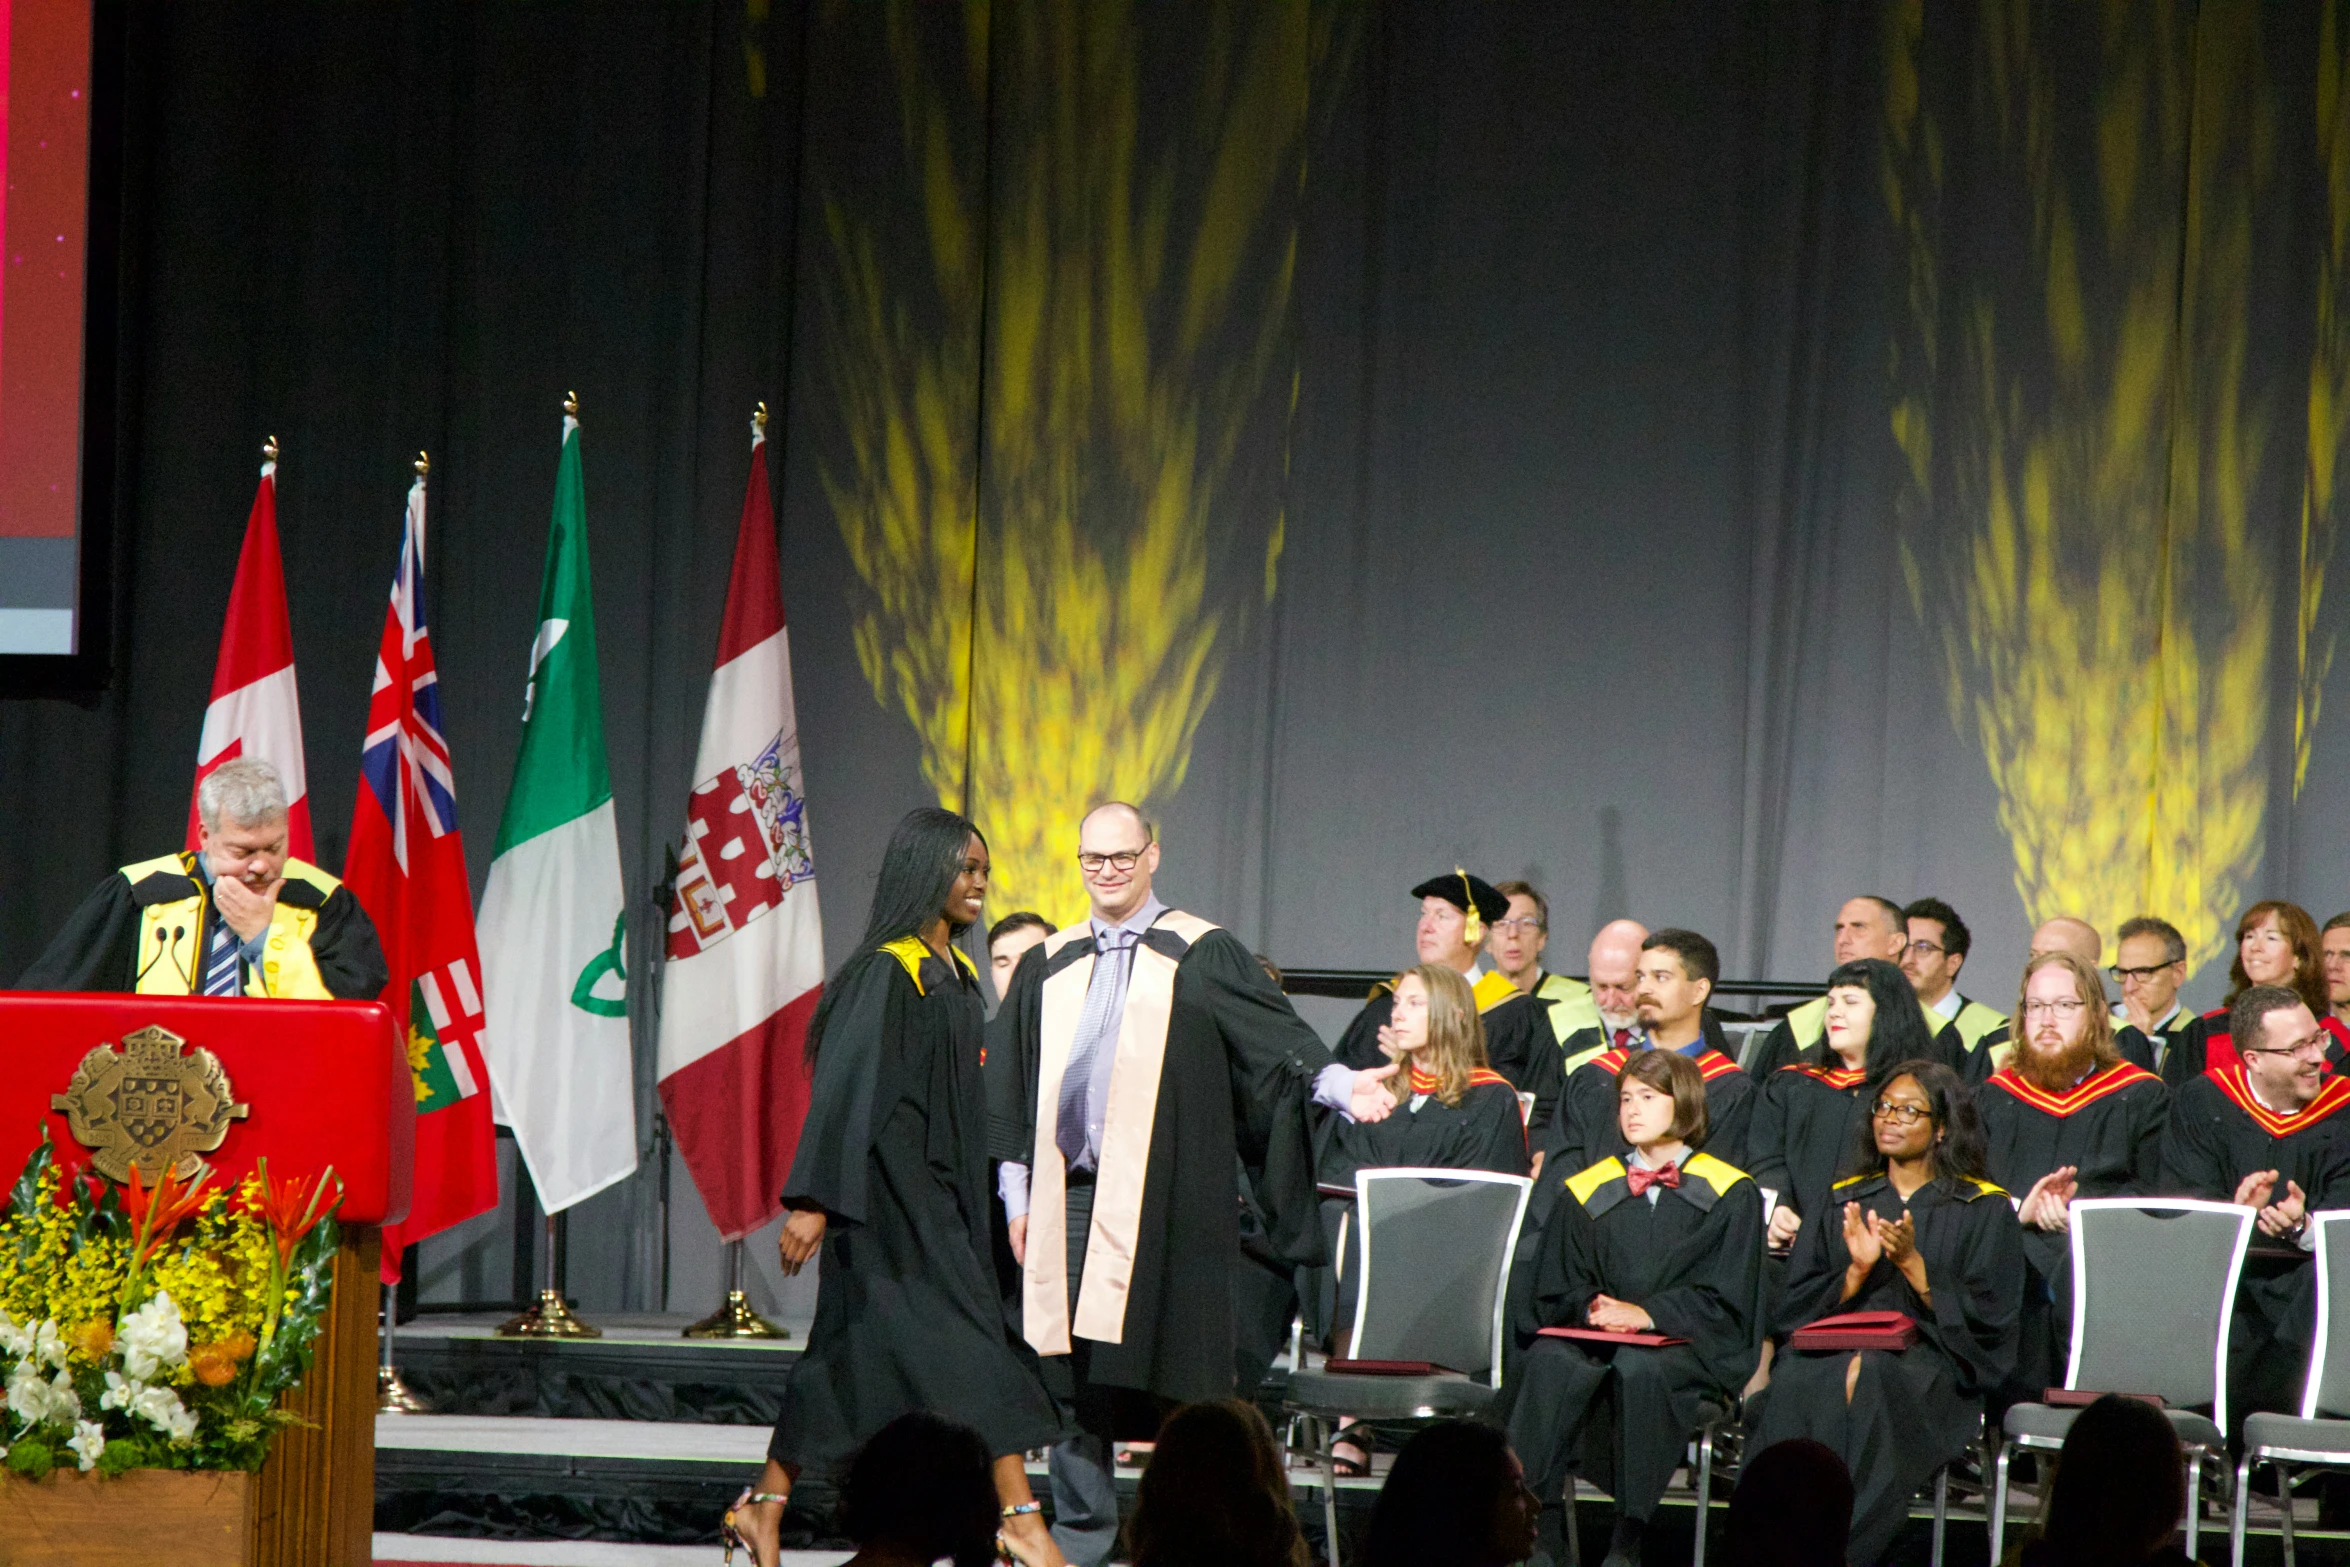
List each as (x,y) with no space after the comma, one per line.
(240,917)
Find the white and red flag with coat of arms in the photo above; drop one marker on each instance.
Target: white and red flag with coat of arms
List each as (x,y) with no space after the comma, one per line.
(745,949)
(255,710)
(406,867)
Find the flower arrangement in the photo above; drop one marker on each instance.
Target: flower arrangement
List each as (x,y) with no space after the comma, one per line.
(155,1328)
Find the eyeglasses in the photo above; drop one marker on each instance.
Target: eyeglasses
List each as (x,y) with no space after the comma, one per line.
(1899,1112)
(2069,1007)
(1124,860)
(1926,949)
(2308,1048)
(1517,927)
(2139,975)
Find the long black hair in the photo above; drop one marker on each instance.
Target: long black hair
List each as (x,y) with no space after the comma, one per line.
(918,870)
(1898,1031)
(1959,1156)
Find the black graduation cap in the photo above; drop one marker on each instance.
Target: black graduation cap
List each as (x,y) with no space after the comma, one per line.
(1472,895)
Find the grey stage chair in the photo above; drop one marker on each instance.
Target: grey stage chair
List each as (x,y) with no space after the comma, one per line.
(2154,1289)
(2320,1436)
(1433,1250)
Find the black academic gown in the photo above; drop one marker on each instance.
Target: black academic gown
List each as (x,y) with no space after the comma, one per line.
(1806,1123)
(1692,1260)
(2219,1133)
(1238,1079)
(1519,1045)
(2151,1055)
(1912,1411)
(2110,1129)
(894,1150)
(97,949)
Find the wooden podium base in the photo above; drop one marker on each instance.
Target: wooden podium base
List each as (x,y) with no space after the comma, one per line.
(313,1504)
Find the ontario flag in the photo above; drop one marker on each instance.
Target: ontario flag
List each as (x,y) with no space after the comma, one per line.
(406,867)
(745,948)
(254,709)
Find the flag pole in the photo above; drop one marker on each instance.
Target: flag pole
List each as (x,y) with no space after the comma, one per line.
(734,1317)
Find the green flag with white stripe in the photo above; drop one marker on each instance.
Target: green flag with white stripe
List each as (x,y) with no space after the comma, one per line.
(553,927)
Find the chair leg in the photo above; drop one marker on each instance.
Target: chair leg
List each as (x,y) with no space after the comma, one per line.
(1329,1429)
(1705,1489)
(2194,1499)
(2285,1506)
(1941,1509)
(2238,1509)
(1999,1501)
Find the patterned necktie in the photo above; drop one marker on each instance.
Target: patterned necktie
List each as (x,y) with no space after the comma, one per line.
(220,962)
(1667,1175)
(1094,1025)
(1623,1037)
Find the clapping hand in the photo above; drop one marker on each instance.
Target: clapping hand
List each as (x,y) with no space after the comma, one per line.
(1611,1315)
(2253,1190)
(1896,1239)
(2285,1217)
(1862,1238)
(2047,1206)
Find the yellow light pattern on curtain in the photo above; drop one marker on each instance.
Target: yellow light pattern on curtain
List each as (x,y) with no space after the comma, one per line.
(2084,442)
(1064,647)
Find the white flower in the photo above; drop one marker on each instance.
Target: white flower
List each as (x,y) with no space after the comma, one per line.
(16,1341)
(161,1408)
(64,1402)
(153,1337)
(35,1402)
(88,1441)
(120,1390)
(49,1344)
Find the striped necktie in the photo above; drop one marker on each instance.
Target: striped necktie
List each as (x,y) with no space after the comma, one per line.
(220,961)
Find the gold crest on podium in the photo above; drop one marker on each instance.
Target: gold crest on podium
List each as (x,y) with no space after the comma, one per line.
(149,1105)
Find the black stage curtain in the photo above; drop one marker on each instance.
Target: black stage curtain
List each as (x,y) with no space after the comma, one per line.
(1705,459)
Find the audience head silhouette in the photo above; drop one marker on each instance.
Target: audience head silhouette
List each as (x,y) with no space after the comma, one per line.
(1214,1494)
(1792,1508)
(1457,1497)
(922,1489)
(2119,1490)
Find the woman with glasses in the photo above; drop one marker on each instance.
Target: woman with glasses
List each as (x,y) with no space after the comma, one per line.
(1811,1111)
(2277,943)
(1667,1240)
(1918,1230)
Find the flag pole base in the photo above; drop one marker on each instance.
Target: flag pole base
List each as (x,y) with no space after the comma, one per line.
(734,1319)
(392,1396)
(551,1317)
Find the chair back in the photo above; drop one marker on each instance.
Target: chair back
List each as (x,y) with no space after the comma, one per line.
(1434,1249)
(2326,1395)
(2154,1290)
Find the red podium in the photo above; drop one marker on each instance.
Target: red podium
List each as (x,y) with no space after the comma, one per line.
(320,1083)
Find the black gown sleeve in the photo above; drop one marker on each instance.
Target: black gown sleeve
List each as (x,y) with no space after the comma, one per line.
(350,959)
(97,947)
(1013,1039)
(2183,1062)
(859,1080)
(1974,1317)
(2194,1156)
(1492,1133)
(1273,1058)
(1541,1070)
(1729,1119)
(1815,1271)
(1766,1139)
(1712,1304)
(1566,1273)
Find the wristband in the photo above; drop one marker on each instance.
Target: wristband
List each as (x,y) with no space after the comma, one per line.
(1021,1509)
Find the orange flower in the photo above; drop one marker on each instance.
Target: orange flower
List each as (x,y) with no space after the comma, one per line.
(93,1340)
(157,1215)
(291,1207)
(213,1364)
(238,1346)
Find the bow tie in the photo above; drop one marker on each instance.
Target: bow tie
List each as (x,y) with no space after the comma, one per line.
(1424,1081)
(1640,1178)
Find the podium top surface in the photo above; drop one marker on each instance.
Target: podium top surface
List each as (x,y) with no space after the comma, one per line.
(323,1082)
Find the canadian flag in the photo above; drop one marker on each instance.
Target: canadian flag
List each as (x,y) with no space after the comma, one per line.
(254,709)
(745,949)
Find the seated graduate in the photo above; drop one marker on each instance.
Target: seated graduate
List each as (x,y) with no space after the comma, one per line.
(239,917)
(1675,978)
(2267,1131)
(1462,1115)
(2066,1118)
(1937,949)
(1811,1112)
(2150,964)
(1665,1239)
(2277,943)
(1867,926)
(1454,911)
(1918,1230)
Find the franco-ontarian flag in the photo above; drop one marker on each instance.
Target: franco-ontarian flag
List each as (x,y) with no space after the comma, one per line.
(553,921)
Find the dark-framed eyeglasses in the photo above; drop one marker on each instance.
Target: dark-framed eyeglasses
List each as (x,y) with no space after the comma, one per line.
(2124,976)
(1901,1113)
(1124,860)
(1518,927)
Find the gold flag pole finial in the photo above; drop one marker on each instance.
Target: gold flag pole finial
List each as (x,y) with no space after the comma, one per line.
(759,418)
(423,463)
(571,404)
(269,448)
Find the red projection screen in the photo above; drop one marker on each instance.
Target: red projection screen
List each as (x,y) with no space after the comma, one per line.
(52,560)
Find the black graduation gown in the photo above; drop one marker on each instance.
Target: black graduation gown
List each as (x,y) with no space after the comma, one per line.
(1692,1260)
(1915,1410)
(1238,1079)
(97,949)
(2142,1052)
(1805,1125)
(2218,1135)
(2110,1129)
(894,1150)
(1585,1129)
(1519,1045)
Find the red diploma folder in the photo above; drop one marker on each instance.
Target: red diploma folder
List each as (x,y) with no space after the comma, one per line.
(1386,1368)
(1894,1330)
(1603,1336)
(2082,1398)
